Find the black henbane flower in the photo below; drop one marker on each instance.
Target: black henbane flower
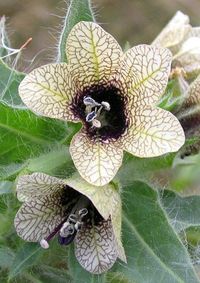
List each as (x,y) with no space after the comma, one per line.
(72,210)
(113,94)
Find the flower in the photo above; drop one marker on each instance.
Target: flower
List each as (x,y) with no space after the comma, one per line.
(189,117)
(113,94)
(184,42)
(75,211)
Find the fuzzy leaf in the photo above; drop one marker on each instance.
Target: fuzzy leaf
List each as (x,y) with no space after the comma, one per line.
(5,187)
(9,172)
(143,169)
(183,212)
(6,257)
(154,252)
(25,135)
(50,274)
(26,257)
(10,80)
(78,10)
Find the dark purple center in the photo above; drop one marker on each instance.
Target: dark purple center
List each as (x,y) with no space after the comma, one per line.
(114,122)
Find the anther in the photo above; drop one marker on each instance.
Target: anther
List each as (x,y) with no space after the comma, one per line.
(44,244)
(90,101)
(66,230)
(91,116)
(105,105)
(82,212)
(78,225)
(73,218)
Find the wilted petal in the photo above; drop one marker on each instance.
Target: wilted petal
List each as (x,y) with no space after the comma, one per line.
(190,52)
(37,218)
(194,32)
(193,93)
(146,69)
(93,53)
(154,132)
(37,185)
(95,247)
(192,70)
(96,161)
(48,91)
(174,32)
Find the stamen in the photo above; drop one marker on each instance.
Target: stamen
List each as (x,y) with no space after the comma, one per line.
(72,218)
(106,105)
(83,212)
(44,244)
(78,225)
(67,229)
(91,116)
(87,100)
(99,111)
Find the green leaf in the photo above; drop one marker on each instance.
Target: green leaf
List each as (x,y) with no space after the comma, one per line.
(143,169)
(6,187)
(26,257)
(50,274)
(185,172)
(116,277)
(56,162)
(10,80)
(24,135)
(183,212)
(9,172)
(6,257)
(173,97)
(78,10)
(154,252)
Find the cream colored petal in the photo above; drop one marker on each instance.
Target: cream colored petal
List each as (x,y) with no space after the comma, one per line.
(95,247)
(93,53)
(189,53)
(37,185)
(146,69)
(192,70)
(96,161)
(193,93)
(48,91)
(154,132)
(37,218)
(116,218)
(100,197)
(194,32)
(174,32)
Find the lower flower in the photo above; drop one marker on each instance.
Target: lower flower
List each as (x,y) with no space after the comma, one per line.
(74,211)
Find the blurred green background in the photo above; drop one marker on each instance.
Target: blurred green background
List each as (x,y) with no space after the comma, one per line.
(136,21)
